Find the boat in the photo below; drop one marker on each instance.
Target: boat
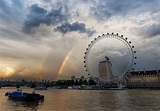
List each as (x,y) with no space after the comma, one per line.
(120,86)
(23,96)
(54,87)
(74,87)
(40,88)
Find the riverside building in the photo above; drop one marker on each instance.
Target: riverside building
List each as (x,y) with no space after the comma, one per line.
(143,79)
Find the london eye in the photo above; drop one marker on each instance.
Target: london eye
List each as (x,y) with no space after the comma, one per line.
(113,50)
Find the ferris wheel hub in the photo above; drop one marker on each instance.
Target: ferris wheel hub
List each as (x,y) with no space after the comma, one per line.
(118,54)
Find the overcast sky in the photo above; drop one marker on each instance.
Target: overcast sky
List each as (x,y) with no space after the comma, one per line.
(36,35)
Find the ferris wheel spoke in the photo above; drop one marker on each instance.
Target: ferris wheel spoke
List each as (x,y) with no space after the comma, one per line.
(117,49)
(94,54)
(93,65)
(93,69)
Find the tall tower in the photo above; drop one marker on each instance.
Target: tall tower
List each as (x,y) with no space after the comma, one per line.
(105,70)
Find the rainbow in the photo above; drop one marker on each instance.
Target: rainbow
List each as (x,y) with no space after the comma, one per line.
(64,62)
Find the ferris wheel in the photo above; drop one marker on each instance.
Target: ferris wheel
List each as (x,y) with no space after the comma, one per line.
(111,49)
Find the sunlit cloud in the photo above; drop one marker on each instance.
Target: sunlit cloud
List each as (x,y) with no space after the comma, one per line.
(35,36)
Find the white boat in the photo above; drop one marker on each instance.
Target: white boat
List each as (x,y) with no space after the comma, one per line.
(74,87)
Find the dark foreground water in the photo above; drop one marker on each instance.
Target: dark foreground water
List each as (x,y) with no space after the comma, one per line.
(86,100)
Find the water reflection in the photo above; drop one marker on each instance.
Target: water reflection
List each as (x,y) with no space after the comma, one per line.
(107,99)
(113,100)
(144,99)
(24,105)
(87,100)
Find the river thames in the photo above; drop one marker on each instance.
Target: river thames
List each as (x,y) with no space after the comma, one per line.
(85,100)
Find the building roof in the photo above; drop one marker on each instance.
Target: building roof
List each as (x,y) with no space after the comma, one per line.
(146,72)
(102,61)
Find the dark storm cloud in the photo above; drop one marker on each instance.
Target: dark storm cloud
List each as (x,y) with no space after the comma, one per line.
(76,26)
(56,18)
(39,16)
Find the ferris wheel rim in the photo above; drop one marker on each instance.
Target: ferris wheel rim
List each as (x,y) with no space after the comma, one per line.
(112,35)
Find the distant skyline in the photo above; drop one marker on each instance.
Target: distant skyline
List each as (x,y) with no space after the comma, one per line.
(46,39)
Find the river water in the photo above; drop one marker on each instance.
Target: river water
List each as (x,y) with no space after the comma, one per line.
(86,100)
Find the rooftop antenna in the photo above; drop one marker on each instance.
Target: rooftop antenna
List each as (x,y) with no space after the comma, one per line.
(106,58)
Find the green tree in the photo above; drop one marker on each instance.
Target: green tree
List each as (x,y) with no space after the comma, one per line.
(65,83)
(76,82)
(85,82)
(80,82)
(33,85)
(58,83)
(72,82)
(91,82)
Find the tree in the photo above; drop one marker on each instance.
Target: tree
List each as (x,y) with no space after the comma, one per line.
(72,82)
(91,82)
(33,85)
(65,83)
(76,82)
(59,83)
(85,82)
(80,82)
(23,80)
